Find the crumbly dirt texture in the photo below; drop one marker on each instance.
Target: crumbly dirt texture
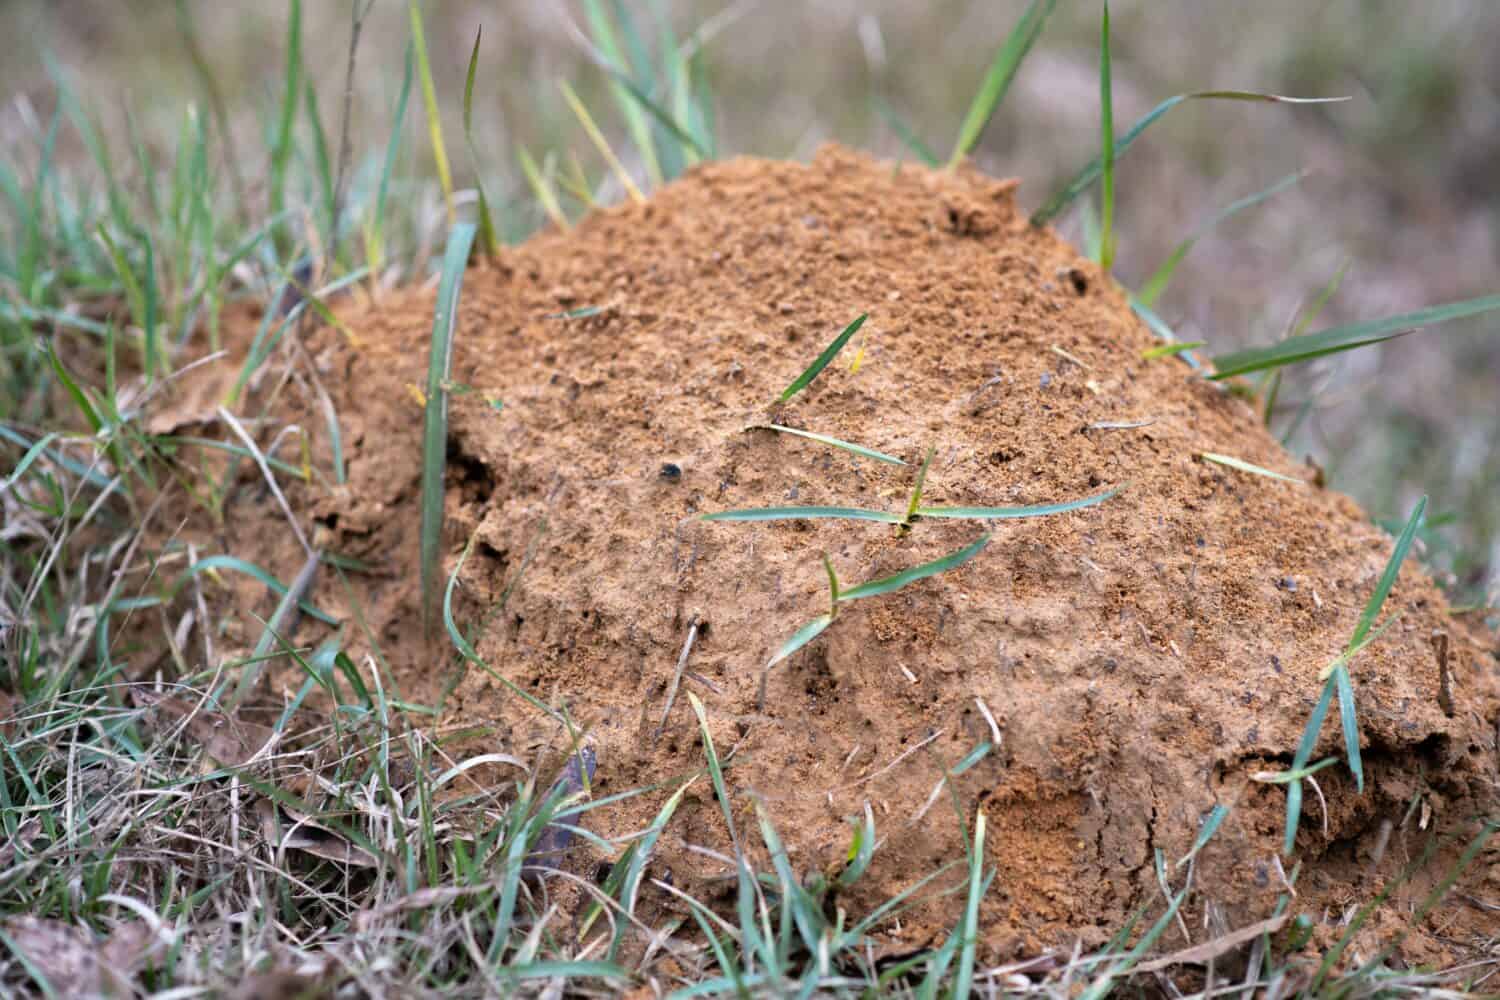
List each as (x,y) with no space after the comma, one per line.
(1141,659)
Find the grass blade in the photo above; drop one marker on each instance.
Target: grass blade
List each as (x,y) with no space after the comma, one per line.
(281,152)
(1205,833)
(908,138)
(1244,466)
(1346,338)
(803,636)
(1157,283)
(804,514)
(1106,151)
(1101,987)
(1171,350)
(600,143)
(1345,690)
(435,421)
(630,888)
(964,978)
(604,37)
(1086,177)
(916,492)
(545,196)
(829,353)
(376,240)
(1388,578)
(861,850)
(487,242)
(434,116)
(885,585)
(1005,513)
(998,79)
(878,456)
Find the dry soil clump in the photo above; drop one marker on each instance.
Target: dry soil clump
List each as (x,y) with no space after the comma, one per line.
(1141,659)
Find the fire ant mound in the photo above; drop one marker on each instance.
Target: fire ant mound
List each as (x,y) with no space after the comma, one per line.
(1132,664)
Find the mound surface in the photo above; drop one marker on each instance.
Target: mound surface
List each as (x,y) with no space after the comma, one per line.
(1141,658)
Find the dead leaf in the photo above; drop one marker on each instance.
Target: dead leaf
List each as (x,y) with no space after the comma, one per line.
(65,955)
(230,742)
(1208,951)
(299,832)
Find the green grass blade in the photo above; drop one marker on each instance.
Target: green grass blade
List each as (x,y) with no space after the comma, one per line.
(540,187)
(878,456)
(487,241)
(434,115)
(1101,987)
(964,978)
(999,76)
(803,636)
(1086,177)
(253,571)
(1005,513)
(1205,833)
(1326,293)
(435,423)
(323,166)
(1244,466)
(909,138)
(829,353)
(916,493)
(833,583)
(1345,689)
(1157,283)
(1346,338)
(1171,350)
(861,850)
(1293,817)
(32,454)
(896,581)
(1388,578)
(376,251)
(281,152)
(602,29)
(1106,150)
(804,514)
(662,116)
(1314,727)
(636,870)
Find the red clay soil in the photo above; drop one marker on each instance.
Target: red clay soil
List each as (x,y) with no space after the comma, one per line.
(1142,659)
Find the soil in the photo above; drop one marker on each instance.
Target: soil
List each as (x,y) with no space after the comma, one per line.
(1142,659)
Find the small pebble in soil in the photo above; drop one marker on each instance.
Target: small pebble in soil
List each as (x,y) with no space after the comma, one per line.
(1046,379)
(671,472)
(1288,584)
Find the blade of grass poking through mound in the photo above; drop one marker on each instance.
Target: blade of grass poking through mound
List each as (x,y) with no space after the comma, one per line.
(1244,466)
(829,353)
(1107,151)
(434,116)
(812,629)
(1086,177)
(1361,637)
(487,241)
(805,514)
(1345,338)
(896,581)
(1003,513)
(878,456)
(1157,283)
(998,79)
(435,421)
(916,491)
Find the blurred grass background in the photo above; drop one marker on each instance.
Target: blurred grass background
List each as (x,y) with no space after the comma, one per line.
(1404,182)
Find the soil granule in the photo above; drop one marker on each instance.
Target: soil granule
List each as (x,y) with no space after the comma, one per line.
(1141,659)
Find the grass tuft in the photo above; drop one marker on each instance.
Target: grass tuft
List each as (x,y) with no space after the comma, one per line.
(435,419)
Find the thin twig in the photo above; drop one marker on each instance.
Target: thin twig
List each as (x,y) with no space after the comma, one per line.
(687,648)
(358,21)
(265,470)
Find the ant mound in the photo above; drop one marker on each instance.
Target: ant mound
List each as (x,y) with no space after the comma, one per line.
(1130,664)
